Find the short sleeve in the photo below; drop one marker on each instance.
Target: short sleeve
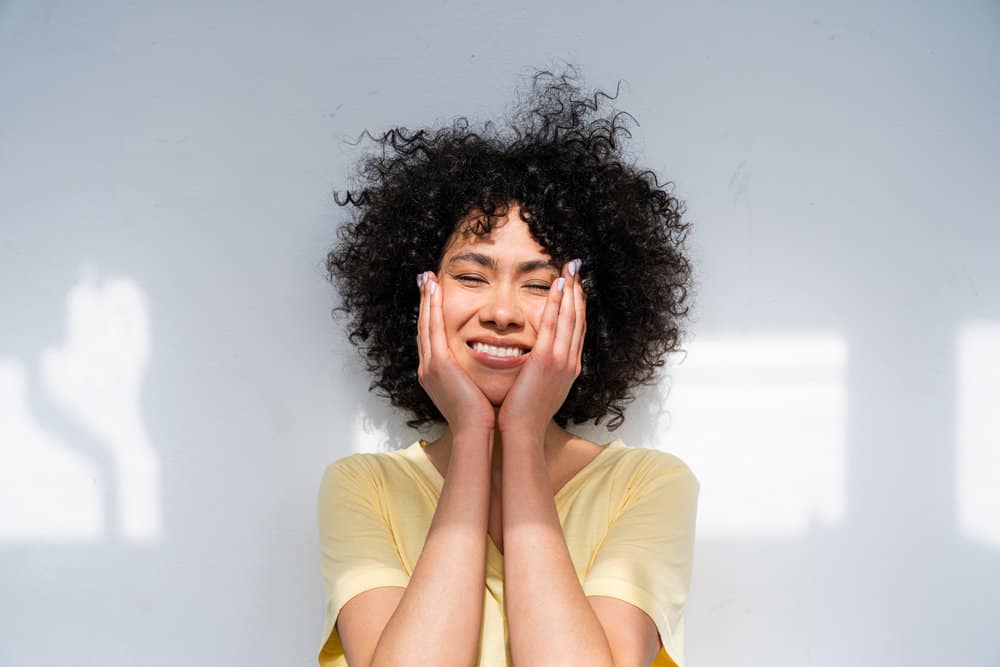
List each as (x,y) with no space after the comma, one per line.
(646,556)
(357,551)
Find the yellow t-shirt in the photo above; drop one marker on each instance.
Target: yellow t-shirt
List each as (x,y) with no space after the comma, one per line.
(628,517)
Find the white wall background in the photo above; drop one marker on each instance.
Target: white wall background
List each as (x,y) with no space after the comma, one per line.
(172,384)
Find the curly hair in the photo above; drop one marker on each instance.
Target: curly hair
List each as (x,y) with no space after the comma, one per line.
(562,163)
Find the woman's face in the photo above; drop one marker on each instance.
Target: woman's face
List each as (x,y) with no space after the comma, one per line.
(494,289)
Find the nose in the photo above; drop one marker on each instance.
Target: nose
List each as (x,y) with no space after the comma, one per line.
(502,307)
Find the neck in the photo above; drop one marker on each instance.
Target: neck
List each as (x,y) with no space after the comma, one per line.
(556,438)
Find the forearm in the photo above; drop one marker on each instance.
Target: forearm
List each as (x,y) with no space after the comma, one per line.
(549,618)
(439,617)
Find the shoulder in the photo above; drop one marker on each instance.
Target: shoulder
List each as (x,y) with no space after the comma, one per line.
(651,463)
(655,467)
(363,468)
(352,465)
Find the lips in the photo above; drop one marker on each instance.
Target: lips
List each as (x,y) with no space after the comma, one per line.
(498,363)
(499,342)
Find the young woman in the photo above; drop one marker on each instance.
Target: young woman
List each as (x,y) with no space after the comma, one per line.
(550,282)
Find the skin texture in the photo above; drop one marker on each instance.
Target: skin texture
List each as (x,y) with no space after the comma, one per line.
(503,302)
(480,301)
(472,300)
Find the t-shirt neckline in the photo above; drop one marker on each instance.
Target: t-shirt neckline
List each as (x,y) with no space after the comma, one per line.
(416,454)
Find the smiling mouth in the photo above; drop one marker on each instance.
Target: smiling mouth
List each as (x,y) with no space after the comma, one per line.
(497,351)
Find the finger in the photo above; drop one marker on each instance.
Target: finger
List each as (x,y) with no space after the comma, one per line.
(423,322)
(547,327)
(580,330)
(567,316)
(439,344)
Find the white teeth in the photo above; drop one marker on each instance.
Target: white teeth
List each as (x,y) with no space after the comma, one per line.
(498,351)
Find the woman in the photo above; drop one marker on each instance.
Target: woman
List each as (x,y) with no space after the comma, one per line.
(551,282)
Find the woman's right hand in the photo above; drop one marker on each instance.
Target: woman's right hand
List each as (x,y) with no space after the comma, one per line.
(461,402)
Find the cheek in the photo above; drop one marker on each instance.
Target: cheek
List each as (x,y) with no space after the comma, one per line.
(534,312)
(455,312)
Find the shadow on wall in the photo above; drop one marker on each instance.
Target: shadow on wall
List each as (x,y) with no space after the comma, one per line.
(76,461)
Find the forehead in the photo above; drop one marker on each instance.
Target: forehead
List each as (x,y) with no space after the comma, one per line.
(510,238)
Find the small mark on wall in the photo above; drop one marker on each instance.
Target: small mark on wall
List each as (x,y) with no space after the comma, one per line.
(739,182)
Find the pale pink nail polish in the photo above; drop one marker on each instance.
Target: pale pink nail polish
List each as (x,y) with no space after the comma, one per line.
(560,284)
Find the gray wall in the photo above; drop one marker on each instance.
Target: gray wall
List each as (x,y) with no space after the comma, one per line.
(172,384)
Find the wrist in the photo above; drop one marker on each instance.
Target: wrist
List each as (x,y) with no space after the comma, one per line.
(476,437)
(522,435)
(473,425)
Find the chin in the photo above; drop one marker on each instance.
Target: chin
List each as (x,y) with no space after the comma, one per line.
(495,392)
(495,396)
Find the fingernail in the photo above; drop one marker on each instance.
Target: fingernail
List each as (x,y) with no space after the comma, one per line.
(572,268)
(560,284)
(432,287)
(579,263)
(420,280)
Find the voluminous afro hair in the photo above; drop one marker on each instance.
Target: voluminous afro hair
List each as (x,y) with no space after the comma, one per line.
(561,161)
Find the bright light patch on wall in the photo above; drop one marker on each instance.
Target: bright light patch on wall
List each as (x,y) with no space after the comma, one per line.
(364,436)
(95,378)
(48,490)
(977,467)
(761,422)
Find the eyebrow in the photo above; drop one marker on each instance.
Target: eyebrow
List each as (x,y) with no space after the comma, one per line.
(491,263)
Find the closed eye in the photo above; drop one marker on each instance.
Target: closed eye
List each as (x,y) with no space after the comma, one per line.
(474,279)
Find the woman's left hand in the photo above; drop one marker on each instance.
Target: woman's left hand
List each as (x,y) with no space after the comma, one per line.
(554,362)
